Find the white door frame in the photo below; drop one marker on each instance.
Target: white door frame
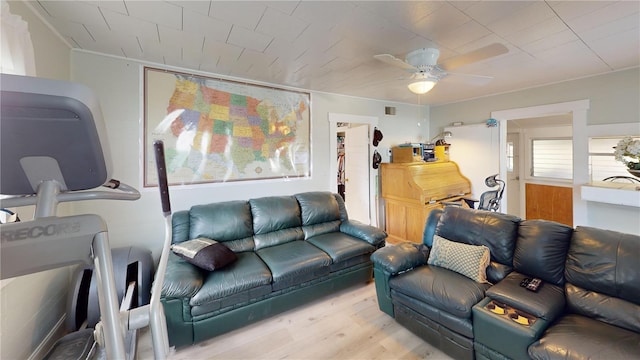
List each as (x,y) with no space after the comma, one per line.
(334,119)
(579,110)
(519,175)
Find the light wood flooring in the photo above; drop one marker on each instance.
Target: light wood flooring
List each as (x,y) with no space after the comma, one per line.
(345,325)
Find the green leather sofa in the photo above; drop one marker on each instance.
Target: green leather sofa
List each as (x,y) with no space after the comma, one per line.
(290,250)
(588,306)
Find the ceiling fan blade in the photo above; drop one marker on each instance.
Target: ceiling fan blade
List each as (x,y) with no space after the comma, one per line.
(478,80)
(486,52)
(382,82)
(392,60)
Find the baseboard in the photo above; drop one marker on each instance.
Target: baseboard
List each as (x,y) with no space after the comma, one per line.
(57,332)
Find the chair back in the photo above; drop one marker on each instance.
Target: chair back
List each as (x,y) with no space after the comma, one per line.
(489,200)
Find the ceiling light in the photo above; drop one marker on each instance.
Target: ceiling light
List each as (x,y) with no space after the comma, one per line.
(422,86)
(423,83)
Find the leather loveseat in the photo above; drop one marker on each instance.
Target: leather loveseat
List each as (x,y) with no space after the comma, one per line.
(289,250)
(588,305)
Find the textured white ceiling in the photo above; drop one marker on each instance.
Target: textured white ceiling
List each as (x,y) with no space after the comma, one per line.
(329,45)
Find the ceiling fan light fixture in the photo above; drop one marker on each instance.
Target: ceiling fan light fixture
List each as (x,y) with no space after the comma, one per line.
(422,86)
(423,57)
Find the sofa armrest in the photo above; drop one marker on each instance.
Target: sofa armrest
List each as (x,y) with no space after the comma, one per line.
(182,280)
(390,261)
(368,233)
(395,259)
(547,303)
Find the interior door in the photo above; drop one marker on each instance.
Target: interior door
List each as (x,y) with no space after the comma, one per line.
(475,148)
(513,174)
(357,162)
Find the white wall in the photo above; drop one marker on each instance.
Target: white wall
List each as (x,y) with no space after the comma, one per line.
(410,124)
(613,100)
(32,305)
(117,84)
(473,148)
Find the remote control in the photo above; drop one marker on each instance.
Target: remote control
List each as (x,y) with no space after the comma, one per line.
(534,284)
(525,282)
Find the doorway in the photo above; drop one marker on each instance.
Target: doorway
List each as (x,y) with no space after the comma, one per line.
(353,173)
(361,200)
(539,168)
(578,110)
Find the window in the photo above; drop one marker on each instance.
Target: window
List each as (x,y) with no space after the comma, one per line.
(510,156)
(552,158)
(602,163)
(17,55)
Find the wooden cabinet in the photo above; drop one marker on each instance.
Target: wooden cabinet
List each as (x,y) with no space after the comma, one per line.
(405,221)
(412,190)
(547,202)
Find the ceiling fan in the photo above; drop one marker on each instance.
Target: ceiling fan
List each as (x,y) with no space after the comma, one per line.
(426,72)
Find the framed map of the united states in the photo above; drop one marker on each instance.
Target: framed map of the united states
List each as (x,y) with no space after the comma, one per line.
(217,130)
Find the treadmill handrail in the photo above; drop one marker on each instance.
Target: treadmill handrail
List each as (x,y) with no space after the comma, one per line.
(122,192)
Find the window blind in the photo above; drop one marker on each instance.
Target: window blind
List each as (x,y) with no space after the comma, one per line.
(552,158)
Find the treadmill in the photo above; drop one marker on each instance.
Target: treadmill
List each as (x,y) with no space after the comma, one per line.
(53,149)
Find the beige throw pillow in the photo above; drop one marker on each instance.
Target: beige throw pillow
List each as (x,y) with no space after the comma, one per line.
(468,260)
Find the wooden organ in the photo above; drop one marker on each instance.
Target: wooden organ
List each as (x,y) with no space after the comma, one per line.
(411,190)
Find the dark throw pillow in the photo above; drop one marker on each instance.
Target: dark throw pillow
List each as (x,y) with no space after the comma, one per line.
(205,253)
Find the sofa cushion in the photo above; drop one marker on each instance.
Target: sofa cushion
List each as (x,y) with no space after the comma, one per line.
(468,260)
(604,261)
(496,231)
(318,207)
(246,273)
(415,314)
(321,228)
(180,227)
(430,226)
(181,278)
(274,213)
(276,220)
(579,337)
(277,237)
(341,246)
(441,288)
(342,207)
(204,253)
(541,250)
(294,263)
(603,307)
(224,221)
